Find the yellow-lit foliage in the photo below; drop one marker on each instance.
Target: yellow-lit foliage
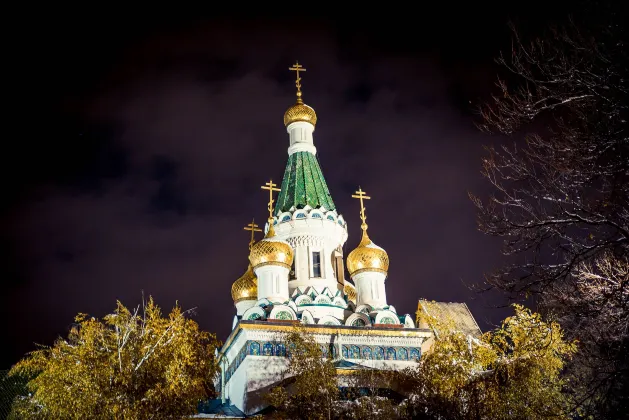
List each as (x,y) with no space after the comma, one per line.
(129,365)
(309,389)
(513,372)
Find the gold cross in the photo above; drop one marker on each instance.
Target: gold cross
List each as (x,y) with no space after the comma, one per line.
(253,228)
(270,186)
(297,68)
(361,195)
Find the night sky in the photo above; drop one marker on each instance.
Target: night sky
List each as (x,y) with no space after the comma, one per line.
(135,146)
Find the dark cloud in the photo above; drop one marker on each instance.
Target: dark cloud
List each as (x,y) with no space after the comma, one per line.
(143,172)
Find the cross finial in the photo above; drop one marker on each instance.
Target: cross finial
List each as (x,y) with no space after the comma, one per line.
(361,195)
(297,68)
(253,228)
(270,186)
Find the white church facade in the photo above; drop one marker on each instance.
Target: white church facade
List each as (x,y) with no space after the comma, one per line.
(296,276)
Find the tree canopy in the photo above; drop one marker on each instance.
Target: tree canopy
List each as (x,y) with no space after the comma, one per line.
(560,198)
(513,372)
(129,365)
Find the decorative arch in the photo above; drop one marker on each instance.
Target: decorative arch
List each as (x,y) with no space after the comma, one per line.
(264,302)
(378,353)
(292,305)
(255,313)
(315,214)
(354,352)
(322,299)
(283,312)
(364,309)
(328,320)
(307,318)
(339,301)
(354,320)
(254,348)
(303,300)
(285,217)
(367,353)
(387,317)
(267,349)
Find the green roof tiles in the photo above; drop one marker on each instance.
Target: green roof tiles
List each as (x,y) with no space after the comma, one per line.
(303,185)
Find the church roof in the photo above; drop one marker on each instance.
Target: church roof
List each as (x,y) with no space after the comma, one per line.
(303,184)
(456,312)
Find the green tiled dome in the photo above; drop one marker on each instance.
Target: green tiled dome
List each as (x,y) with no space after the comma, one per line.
(303,184)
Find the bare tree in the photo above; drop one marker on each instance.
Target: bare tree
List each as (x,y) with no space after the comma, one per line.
(561,196)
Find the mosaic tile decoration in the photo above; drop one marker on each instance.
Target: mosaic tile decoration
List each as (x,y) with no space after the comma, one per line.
(303,184)
(351,351)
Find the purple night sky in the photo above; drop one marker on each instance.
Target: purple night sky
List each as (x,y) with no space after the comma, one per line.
(137,147)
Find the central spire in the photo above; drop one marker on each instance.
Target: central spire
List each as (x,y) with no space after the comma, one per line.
(303,183)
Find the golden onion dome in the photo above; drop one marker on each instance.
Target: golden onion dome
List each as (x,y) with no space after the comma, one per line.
(271,251)
(367,257)
(246,287)
(350,291)
(300,112)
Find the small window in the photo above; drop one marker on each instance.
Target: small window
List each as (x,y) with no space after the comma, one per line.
(316,264)
(286,218)
(292,273)
(316,216)
(330,217)
(300,216)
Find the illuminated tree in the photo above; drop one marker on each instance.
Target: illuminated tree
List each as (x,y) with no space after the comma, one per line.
(309,390)
(560,196)
(513,372)
(129,365)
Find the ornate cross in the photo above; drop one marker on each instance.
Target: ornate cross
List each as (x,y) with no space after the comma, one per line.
(361,195)
(270,186)
(297,68)
(253,228)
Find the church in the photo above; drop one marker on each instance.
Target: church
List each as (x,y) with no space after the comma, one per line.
(296,275)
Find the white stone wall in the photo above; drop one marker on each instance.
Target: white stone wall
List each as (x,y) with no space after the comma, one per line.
(272,283)
(257,374)
(308,235)
(370,288)
(301,139)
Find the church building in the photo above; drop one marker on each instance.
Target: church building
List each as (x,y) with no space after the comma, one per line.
(296,275)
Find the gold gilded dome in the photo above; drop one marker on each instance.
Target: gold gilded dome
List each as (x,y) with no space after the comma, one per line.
(246,287)
(271,251)
(367,257)
(300,112)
